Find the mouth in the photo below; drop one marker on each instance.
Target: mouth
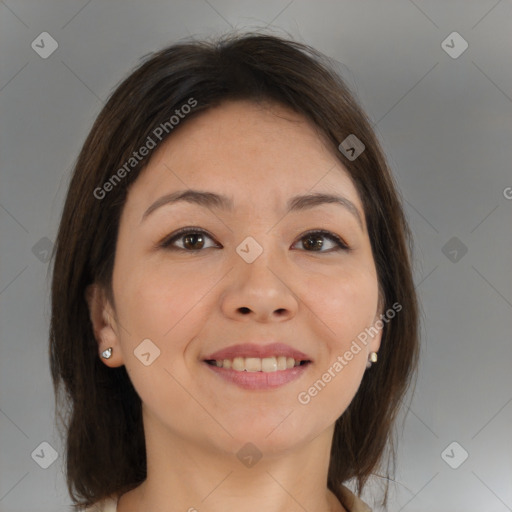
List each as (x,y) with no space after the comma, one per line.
(258,374)
(253,366)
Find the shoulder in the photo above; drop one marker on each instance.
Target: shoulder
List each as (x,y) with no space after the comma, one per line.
(106,505)
(352,502)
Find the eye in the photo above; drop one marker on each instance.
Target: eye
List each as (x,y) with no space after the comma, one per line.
(312,241)
(193,240)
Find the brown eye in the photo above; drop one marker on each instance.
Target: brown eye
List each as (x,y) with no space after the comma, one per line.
(313,242)
(191,240)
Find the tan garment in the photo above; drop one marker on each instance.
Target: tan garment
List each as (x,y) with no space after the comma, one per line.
(349,499)
(352,503)
(106,505)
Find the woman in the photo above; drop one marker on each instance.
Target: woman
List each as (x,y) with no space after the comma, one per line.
(232,256)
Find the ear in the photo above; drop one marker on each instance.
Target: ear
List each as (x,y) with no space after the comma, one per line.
(374,344)
(103,323)
(378,323)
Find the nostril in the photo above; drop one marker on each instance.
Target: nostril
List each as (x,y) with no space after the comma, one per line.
(244,310)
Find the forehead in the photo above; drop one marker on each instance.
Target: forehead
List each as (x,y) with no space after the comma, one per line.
(251,152)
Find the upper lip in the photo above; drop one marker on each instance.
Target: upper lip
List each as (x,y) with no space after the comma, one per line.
(261,351)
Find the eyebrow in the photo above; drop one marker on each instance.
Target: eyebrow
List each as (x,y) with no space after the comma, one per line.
(222,202)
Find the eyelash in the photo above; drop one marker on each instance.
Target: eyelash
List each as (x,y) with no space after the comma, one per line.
(167,243)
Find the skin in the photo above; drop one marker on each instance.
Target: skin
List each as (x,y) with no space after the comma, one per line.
(189,304)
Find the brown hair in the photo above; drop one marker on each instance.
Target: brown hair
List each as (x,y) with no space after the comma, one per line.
(101,413)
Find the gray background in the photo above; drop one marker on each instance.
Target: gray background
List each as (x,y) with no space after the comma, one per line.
(445,124)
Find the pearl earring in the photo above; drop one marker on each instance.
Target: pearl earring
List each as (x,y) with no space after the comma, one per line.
(107,354)
(371,359)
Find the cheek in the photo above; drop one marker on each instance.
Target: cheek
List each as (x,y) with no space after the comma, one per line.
(344,307)
(162,309)
(346,302)
(154,299)
(165,306)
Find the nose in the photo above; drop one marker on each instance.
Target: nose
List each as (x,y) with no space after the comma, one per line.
(260,291)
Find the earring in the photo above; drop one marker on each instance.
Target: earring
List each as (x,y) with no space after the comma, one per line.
(107,354)
(371,359)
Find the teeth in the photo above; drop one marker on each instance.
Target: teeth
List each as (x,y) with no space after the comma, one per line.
(281,363)
(253,364)
(256,364)
(269,364)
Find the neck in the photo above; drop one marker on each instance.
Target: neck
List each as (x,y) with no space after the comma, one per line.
(185,476)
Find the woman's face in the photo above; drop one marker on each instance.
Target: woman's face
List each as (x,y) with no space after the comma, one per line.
(251,276)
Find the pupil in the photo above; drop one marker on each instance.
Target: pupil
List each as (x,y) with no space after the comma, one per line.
(191,238)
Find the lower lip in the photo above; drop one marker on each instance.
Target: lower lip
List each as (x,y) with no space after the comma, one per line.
(260,380)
